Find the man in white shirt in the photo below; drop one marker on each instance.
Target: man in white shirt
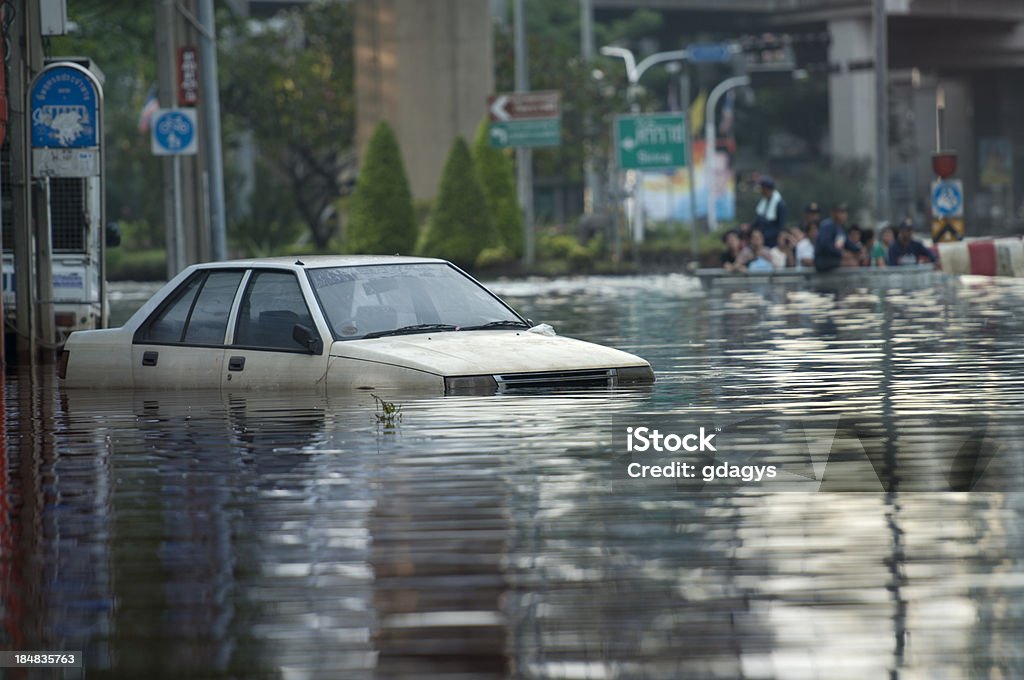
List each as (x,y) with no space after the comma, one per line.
(806,235)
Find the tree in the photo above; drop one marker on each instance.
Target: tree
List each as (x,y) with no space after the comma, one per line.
(497,176)
(588,104)
(273,223)
(118,37)
(290,81)
(460,224)
(381,216)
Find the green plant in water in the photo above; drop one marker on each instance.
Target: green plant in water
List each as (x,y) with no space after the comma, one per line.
(388,413)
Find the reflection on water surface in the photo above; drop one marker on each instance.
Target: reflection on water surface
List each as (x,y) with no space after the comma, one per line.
(292,536)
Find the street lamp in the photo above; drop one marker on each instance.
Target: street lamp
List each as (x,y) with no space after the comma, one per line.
(709,140)
(635,70)
(633,73)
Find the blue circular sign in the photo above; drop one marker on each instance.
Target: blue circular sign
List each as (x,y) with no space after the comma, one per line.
(947,198)
(174,132)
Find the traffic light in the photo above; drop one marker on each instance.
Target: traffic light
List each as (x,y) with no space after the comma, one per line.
(768,59)
(774,58)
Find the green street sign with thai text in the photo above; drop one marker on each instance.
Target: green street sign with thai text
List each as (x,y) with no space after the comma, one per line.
(651,141)
(537,132)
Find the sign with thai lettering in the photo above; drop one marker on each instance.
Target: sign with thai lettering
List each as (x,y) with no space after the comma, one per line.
(64,104)
(651,141)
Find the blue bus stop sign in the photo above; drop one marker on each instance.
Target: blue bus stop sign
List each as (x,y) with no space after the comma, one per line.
(173,132)
(65,108)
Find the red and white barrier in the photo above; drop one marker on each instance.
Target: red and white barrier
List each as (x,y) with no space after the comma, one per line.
(954,258)
(985,257)
(1009,257)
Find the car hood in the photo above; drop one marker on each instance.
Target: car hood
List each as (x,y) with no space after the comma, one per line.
(485,352)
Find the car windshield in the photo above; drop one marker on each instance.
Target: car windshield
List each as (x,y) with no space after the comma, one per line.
(394,299)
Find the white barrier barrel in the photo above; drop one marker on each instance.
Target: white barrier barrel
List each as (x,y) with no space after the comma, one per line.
(1009,257)
(954,257)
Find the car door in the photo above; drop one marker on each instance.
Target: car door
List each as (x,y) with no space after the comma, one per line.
(181,345)
(263,353)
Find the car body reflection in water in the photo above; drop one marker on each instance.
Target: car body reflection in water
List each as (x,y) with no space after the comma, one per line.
(292,535)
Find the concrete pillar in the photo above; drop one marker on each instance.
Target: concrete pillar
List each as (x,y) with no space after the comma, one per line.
(426,68)
(852,93)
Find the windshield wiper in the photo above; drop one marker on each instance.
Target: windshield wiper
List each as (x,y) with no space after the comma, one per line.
(508,323)
(408,330)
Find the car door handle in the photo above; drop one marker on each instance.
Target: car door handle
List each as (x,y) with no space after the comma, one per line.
(236,363)
(150,358)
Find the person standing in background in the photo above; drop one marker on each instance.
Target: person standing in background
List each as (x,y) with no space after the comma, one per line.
(828,247)
(770,212)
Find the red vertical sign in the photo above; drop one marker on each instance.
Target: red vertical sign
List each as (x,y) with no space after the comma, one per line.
(188,76)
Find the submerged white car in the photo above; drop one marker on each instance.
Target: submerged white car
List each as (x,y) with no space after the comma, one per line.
(335,323)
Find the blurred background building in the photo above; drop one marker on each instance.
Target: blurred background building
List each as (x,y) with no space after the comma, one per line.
(427,67)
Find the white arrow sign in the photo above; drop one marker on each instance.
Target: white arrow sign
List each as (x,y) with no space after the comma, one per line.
(498,107)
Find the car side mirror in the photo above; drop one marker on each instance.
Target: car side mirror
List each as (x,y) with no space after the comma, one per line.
(307,337)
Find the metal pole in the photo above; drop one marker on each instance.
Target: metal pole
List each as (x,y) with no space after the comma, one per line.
(165,57)
(591,194)
(709,141)
(638,211)
(614,189)
(26,59)
(211,116)
(524,158)
(44,271)
(179,226)
(880,26)
(684,106)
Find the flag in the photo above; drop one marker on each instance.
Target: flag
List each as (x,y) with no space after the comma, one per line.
(149,108)
(697,114)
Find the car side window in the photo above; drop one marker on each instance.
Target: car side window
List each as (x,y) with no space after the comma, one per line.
(271,306)
(197,313)
(210,314)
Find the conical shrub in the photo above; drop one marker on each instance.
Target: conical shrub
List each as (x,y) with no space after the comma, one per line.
(460,224)
(381,219)
(497,175)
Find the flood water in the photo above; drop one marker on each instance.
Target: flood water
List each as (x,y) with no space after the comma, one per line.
(294,536)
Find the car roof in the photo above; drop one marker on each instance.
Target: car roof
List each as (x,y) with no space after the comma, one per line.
(318,261)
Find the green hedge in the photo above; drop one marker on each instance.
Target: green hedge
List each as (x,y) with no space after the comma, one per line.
(137,265)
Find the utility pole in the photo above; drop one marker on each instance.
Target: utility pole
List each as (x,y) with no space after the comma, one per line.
(211,116)
(165,56)
(684,106)
(524,156)
(880,25)
(26,60)
(591,196)
(185,185)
